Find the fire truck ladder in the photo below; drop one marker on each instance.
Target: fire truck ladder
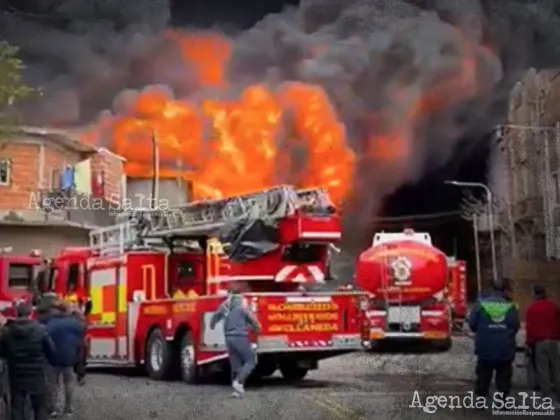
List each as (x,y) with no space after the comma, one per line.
(204,218)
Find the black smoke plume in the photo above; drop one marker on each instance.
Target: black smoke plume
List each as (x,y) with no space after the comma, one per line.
(374,58)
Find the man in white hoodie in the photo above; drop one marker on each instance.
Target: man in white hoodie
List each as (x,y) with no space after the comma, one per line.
(237,318)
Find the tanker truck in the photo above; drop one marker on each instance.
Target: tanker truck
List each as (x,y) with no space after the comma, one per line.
(407,278)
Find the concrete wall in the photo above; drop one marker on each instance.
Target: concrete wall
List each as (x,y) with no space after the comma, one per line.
(171,191)
(50,240)
(526,273)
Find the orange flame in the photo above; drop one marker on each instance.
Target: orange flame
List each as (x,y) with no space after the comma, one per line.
(232,146)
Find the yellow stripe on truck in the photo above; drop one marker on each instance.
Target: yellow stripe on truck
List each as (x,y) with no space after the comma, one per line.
(96,296)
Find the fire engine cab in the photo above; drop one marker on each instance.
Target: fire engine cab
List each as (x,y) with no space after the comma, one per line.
(155,281)
(16,276)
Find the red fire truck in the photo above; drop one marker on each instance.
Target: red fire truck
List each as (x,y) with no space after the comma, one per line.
(407,278)
(16,275)
(155,281)
(458,290)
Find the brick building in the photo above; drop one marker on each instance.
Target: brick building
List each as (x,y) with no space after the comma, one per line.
(32,162)
(530,215)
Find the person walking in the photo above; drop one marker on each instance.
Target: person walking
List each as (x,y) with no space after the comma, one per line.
(237,317)
(495,323)
(25,345)
(542,327)
(66,332)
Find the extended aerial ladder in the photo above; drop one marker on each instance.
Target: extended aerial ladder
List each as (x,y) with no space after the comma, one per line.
(205,218)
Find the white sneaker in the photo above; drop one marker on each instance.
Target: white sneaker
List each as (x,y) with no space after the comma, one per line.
(237,387)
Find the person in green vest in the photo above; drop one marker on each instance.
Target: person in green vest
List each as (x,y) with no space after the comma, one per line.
(495,323)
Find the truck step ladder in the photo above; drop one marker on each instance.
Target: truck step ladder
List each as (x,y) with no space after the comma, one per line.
(204,218)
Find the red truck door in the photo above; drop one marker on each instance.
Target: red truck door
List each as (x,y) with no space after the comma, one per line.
(17,274)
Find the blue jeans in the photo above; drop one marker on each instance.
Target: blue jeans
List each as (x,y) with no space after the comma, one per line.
(242,358)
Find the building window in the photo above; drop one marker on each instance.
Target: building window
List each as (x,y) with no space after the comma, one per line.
(20,275)
(5,171)
(54,182)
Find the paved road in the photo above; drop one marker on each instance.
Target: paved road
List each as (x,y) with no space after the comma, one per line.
(357,386)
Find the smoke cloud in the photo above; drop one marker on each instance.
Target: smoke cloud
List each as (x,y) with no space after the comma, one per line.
(379,61)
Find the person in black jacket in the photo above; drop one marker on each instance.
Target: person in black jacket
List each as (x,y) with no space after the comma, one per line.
(25,345)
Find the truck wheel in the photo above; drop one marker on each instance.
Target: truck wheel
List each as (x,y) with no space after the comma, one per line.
(159,356)
(293,373)
(187,360)
(264,370)
(443,345)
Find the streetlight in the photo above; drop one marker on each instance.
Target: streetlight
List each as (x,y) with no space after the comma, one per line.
(489,198)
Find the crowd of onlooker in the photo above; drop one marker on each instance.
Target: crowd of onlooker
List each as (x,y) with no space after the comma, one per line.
(43,354)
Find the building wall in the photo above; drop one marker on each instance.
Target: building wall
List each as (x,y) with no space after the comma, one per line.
(23,163)
(532,150)
(525,274)
(171,192)
(35,164)
(110,167)
(49,239)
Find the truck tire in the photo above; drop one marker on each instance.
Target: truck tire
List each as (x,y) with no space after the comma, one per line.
(443,345)
(293,373)
(187,360)
(159,356)
(264,370)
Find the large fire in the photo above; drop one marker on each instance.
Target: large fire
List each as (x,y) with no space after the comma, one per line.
(263,137)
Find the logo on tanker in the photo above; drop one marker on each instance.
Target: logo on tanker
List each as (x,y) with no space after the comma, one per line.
(400,269)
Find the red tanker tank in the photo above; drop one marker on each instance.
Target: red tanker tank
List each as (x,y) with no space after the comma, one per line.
(407,278)
(404,270)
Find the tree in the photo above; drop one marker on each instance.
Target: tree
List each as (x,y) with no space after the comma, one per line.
(12,87)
